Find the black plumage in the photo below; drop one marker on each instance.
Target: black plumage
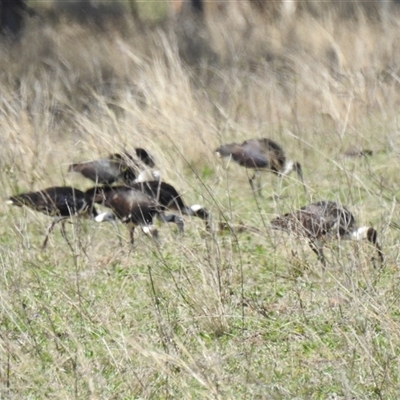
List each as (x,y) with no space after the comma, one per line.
(59,202)
(133,207)
(323,220)
(145,157)
(260,154)
(116,167)
(168,198)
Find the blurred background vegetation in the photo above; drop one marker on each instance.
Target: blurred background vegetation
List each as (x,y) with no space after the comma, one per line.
(249,315)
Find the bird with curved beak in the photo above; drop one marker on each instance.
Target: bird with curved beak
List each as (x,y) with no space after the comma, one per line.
(117,167)
(133,207)
(258,155)
(61,203)
(325,220)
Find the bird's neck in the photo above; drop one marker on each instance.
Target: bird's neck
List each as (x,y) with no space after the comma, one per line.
(288,168)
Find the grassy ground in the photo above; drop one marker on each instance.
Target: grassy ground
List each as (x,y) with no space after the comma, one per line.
(237,315)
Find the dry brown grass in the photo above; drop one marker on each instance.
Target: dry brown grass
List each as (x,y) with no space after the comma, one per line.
(231,316)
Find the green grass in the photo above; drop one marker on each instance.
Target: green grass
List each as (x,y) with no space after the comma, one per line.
(223,315)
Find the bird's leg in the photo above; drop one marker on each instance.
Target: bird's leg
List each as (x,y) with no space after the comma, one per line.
(251,183)
(131,235)
(257,175)
(49,230)
(279,185)
(64,234)
(316,247)
(380,252)
(257,189)
(63,230)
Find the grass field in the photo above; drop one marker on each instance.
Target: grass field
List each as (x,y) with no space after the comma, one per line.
(206,315)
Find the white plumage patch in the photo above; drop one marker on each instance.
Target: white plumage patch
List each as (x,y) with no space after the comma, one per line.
(106,216)
(157,175)
(196,207)
(9,202)
(288,168)
(360,233)
(147,175)
(149,230)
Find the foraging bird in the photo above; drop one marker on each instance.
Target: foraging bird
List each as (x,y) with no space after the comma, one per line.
(131,206)
(356,151)
(114,168)
(60,202)
(322,220)
(145,157)
(168,198)
(260,154)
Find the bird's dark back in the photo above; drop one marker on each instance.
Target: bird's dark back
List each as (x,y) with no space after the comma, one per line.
(164,193)
(269,149)
(255,153)
(248,155)
(58,200)
(102,171)
(121,199)
(142,213)
(116,167)
(316,220)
